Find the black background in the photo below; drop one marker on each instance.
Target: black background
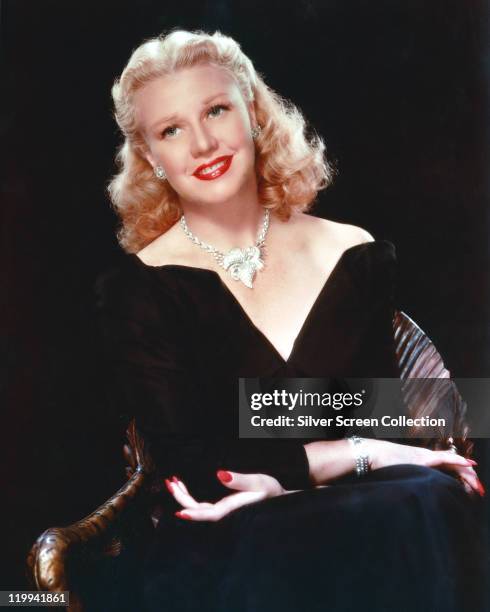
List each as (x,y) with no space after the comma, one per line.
(398,89)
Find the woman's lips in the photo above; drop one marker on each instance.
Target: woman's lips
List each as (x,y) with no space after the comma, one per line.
(215,169)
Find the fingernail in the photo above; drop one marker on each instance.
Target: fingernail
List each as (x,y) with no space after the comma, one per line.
(168,485)
(175,479)
(224,476)
(481,489)
(472,461)
(183,515)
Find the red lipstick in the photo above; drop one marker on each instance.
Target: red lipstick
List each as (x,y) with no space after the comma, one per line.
(203,173)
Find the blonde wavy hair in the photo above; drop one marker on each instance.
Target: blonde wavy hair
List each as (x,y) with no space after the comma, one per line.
(291,168)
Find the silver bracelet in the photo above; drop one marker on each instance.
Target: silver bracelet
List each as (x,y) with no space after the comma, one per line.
(361,458)
(451,446)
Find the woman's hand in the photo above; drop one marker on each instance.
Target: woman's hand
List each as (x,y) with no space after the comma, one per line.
(383,454)
(250,488)
(470,480)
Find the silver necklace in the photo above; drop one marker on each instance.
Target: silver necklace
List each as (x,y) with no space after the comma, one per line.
(241,264)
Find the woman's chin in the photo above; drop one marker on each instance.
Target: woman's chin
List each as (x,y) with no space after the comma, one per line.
(215,193)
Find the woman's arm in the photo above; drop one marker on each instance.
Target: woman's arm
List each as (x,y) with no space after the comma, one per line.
(329,460)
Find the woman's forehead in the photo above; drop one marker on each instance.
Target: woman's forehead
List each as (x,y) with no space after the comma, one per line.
(189,87)
(194,80)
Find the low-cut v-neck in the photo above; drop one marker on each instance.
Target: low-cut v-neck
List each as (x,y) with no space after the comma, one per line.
(263,337)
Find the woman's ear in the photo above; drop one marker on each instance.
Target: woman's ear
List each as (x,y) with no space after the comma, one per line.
(252,115)
(150,159)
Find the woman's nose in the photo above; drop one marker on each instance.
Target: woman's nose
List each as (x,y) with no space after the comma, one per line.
(203,141)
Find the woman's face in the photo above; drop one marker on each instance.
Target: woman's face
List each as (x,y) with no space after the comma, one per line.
(197,126)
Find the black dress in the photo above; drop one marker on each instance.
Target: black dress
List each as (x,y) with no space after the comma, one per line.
(403,538)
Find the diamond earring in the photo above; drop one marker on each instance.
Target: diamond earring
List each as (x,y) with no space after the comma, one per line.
(160,173)
(255,131)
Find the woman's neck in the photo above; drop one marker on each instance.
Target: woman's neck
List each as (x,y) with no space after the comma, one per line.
(228,225)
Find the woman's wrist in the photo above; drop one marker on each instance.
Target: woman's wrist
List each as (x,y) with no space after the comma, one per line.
(362,459)
(329,460)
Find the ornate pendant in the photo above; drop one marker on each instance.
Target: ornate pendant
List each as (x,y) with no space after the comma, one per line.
(242,264)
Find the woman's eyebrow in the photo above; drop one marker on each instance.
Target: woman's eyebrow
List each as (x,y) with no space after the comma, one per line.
(175,116)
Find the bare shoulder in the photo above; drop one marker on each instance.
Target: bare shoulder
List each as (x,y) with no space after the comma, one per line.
(166,249)
(346,235)
(331,235)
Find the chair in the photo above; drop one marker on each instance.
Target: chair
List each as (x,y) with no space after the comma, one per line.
(53,558)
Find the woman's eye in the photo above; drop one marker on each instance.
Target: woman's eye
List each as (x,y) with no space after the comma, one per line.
(217,110)
(170,131)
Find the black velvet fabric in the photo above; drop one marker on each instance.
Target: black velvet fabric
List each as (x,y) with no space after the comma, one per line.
(177,340)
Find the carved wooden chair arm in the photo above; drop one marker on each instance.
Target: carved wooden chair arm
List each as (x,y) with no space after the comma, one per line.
(47,560)
(418,358)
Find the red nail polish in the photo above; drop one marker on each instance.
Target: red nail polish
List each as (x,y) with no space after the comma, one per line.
(224,476)
(481,489)
(168,484)
(183,515)
(175,479)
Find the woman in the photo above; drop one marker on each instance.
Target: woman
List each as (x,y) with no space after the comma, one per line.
(228,277)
